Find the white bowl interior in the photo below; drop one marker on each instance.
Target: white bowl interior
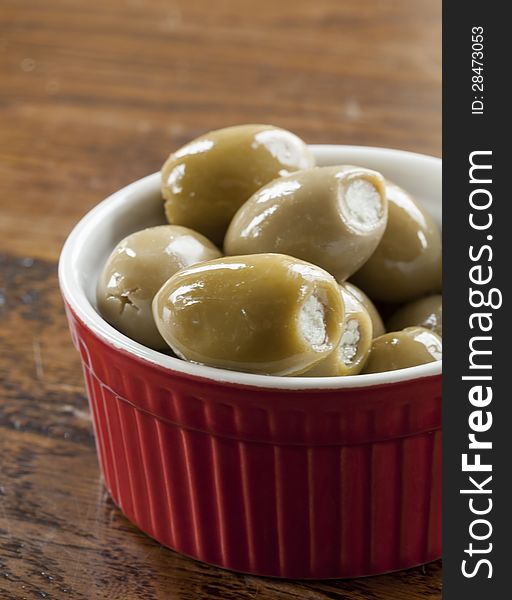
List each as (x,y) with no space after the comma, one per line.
(140,205)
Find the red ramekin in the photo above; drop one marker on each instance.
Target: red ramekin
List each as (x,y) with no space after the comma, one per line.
(288,477)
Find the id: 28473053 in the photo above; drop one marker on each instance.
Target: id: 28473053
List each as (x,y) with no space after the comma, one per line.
(477,67)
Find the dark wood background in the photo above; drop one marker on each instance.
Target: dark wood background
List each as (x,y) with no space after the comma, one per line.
(94,94)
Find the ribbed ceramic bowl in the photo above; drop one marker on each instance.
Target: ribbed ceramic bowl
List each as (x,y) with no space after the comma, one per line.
(289,477)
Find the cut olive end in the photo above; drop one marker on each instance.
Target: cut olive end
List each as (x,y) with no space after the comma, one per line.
(350,356)
(377,323)
(265,313)
(333,217)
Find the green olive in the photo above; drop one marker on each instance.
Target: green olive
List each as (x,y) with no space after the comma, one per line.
(333,217)
(377,324)
(407,262)
(265,313)
(205,182)
(350,356)
(425,312)
(400,349)
(137,268)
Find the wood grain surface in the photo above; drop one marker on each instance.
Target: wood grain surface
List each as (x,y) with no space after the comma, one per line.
(95,94)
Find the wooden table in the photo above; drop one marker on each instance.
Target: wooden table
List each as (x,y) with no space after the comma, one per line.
(96,94)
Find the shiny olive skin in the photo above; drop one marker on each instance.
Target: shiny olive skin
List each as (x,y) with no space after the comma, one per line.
(248,313)
(425,312)
(207,180)
(407,262)
(333,217)
(351,354)
(401,349)
(137,268)
(377,324)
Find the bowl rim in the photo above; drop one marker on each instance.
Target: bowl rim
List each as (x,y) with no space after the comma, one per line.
(76,298)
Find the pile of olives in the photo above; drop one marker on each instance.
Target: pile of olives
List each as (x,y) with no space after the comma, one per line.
(306,251)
